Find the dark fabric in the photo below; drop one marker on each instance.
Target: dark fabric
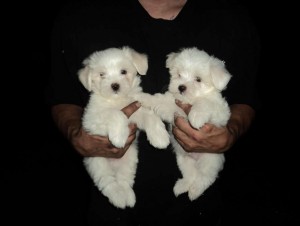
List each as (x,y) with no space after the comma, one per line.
(223,31)
(152,211)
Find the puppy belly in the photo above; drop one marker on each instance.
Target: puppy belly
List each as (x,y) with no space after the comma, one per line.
(115,177)
(199,171)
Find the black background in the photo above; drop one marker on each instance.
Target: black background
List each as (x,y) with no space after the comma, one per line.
(262,184)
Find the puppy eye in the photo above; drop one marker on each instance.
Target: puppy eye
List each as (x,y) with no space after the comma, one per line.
(123,72)
(198,79)
(101,74)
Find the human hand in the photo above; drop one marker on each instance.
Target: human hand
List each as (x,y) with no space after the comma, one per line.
(208,138)
(93,145)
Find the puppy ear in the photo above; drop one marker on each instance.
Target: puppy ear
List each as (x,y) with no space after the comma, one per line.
(220,76)
(170,60)
(139,60)
(85,78)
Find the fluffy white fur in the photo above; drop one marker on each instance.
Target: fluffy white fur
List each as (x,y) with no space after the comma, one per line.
(112,77)
(197,79)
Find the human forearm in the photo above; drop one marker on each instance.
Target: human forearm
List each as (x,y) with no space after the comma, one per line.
(210,138)
(67,118)
(240,121)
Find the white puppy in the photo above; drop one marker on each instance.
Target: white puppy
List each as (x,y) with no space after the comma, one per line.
(197,79)
(112,77)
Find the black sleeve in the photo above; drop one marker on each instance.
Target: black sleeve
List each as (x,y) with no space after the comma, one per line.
(243,61)
(64,86)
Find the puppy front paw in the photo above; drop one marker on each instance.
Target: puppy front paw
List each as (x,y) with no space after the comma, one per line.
(118,140)
(197,119)
(179,112)
(158,136)
(118,135)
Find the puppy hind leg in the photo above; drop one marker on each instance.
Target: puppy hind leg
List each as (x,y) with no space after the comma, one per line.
(186,165)
(126,173)
(100,171)
(116,194)
(200,184)
(127,166)
(129,194)
(119,188)
(104,178)
(208,167)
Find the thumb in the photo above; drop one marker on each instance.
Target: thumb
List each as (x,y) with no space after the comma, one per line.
(131,108)
(185,107)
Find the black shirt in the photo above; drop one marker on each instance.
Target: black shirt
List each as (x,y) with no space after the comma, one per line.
(225,31)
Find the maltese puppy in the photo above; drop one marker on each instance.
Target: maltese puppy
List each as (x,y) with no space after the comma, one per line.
(112,78)
(197,79)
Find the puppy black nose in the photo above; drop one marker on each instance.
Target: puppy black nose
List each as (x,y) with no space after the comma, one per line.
(181,88)
(115,86)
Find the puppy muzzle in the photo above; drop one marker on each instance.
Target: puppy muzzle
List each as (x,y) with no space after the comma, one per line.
(115,87)
(182,88)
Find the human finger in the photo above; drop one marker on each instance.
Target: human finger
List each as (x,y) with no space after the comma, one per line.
(132,128)
(131,108)
(185,107)
(183,125)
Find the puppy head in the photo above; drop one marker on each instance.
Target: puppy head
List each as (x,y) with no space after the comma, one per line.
(113,71)
(194,73)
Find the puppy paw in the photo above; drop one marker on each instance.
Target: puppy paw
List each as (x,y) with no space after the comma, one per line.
(116,195)
(199,185)
(159,137)
(179,112)
(130,201)
(195,191)
(197,119)
(164,111)
(181,186)
(118,136)
(129,193)
(145,99)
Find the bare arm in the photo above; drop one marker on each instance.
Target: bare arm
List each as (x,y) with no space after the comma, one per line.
(67,117)
(210,138)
